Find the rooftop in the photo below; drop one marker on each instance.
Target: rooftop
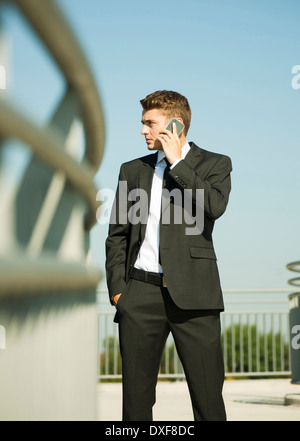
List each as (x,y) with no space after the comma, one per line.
(245,400)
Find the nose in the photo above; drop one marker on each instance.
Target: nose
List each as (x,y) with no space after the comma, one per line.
(144,130)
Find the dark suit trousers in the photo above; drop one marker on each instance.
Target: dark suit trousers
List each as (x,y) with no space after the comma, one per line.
(146,315)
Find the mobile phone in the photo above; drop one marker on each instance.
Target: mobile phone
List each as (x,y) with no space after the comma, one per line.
(179,126)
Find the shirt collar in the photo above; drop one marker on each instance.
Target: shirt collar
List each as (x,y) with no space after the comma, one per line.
(184,151)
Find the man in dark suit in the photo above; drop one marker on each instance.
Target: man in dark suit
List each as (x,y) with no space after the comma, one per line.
(162,276)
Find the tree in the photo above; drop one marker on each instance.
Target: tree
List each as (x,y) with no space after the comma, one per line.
(110,358)
(246,349)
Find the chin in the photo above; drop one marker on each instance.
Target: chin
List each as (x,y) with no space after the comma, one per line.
(154,147)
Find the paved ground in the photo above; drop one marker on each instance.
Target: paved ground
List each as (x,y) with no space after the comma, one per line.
(246,400)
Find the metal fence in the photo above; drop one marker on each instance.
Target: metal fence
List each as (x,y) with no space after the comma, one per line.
(255,337)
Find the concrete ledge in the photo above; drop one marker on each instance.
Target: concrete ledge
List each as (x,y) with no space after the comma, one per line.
(245,400)
(292,400)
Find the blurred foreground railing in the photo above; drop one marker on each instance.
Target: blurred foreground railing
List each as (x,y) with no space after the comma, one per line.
(48,287)
(255,337)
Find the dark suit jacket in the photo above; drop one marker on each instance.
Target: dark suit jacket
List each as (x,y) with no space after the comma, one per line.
(188,261)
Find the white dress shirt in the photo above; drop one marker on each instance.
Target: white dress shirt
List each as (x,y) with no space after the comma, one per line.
(148,257)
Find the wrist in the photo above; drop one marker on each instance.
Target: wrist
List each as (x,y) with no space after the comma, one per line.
(175,163)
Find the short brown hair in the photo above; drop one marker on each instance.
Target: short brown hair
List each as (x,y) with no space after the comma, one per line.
(171,103)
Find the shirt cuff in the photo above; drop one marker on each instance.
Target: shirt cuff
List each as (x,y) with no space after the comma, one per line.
(175,163)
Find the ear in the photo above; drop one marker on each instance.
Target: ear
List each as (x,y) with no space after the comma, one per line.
(179,119)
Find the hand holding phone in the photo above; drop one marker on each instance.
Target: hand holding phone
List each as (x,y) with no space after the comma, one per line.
(179,126)
(171,144)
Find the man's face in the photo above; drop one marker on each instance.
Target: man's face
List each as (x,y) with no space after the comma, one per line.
(154,122)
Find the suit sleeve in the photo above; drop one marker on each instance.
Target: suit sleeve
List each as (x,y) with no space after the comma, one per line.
(116,242)
(216,183)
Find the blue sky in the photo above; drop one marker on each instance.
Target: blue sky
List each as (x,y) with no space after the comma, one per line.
(233,60)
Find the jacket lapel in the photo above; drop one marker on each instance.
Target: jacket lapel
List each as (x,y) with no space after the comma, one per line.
(193,156)
(192,159)
(145,182)
(146,176)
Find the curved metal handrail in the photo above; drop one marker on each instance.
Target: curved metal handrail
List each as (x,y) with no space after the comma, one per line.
(52,28)
(19,272)
(294,266)
(46,144)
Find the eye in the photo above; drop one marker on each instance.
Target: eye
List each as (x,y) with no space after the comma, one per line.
(148,123)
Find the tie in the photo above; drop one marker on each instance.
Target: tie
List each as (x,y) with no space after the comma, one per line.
(167,169)
(164,185)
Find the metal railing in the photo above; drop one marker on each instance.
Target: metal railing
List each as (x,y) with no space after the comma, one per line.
(48,285)
(26,266)
(255,337)
(295,267)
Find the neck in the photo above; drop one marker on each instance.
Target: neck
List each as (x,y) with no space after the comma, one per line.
(183,141)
